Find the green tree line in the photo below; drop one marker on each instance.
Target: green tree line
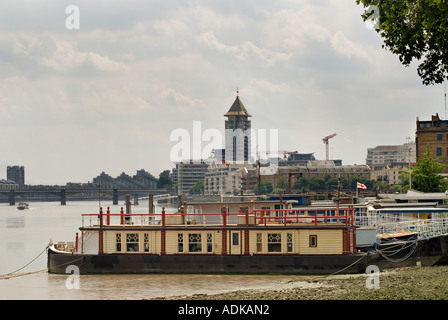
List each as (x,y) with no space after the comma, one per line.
(313,184)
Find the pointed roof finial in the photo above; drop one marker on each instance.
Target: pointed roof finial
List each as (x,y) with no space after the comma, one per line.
(237,108)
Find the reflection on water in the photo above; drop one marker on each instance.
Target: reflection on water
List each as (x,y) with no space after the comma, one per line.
(135,287)
(24,236)
(15,222)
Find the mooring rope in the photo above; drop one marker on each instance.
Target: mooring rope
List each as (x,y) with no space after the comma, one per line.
(12,274)
(343,269)
(407,256)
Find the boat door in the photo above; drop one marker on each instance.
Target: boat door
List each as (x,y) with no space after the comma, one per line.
(235,242)
(279,212)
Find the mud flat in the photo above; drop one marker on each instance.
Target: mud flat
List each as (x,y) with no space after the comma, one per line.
(410,283)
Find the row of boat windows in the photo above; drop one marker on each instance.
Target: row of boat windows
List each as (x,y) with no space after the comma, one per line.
(192,242)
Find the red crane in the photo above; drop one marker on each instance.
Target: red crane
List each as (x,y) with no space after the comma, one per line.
(326,142)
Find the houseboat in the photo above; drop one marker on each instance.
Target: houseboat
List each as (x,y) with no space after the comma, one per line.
(287,241)
(407,234)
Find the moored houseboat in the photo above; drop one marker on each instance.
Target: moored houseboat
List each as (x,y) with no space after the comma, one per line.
(302,241)
(407,234)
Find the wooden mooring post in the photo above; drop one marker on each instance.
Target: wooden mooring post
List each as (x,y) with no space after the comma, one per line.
(151,203)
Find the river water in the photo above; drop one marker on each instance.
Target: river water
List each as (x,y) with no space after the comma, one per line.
(24,235)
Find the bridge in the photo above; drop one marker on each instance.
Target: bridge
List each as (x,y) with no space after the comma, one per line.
(63,192)
(165,196)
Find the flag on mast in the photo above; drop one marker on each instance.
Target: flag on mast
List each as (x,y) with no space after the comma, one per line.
(360,185)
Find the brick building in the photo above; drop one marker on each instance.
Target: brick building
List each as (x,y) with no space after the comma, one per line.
(432,135)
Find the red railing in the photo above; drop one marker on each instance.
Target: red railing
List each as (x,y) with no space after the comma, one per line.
(310,216)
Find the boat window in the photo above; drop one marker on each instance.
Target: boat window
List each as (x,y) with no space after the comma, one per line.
(209,242)
(235,239)
(259,242)
(132,242)
(274,242)
(146,242)
(289,242)
(313,241)
(180,242)
(194,242)
(118,241)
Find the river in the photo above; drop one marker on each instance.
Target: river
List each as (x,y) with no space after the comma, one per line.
(24,235)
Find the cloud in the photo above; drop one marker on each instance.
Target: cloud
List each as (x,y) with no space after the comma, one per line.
(171,28)
(135,71)
(66,57)
(207,19)
(244,51)
(180,103)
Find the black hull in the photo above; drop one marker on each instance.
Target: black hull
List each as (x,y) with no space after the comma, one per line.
(208,264)
(412,252)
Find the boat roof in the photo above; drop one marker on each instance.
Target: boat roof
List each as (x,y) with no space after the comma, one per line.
(240,202)
(410,210)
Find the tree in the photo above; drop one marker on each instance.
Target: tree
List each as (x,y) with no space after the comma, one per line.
(282,186)
(198,188)
(425,174)
(317,184)
(164,180)
(301,184)
(414,30)
(265,187)
(330,183)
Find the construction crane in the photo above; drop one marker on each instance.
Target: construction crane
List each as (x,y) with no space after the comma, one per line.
(325,140)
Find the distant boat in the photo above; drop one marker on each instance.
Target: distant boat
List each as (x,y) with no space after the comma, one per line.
(23,206)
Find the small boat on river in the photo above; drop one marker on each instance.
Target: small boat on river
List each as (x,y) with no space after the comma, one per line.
(285,241)
(22,206)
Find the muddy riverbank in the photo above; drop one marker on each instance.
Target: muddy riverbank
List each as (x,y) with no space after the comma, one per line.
(412,283)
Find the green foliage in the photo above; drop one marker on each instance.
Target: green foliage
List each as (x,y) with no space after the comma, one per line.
(198,188)
(425,174)
(282,186)
(164,180)
(265,188)
(414,30)
(329,183)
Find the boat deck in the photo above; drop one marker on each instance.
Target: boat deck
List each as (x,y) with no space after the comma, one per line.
(257,218)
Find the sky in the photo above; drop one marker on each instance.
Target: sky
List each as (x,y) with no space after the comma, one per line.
(106,95)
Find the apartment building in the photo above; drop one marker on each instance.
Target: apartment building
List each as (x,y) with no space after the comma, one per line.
(432,135)
(16,174)
(8,185)
(318,169)
(388,154)
(187,173)
(389,173)
(223,178)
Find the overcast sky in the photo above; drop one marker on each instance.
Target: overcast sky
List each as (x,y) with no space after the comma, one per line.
(107,96)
